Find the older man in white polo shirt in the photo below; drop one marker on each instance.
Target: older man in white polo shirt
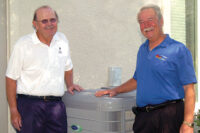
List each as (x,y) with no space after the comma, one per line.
(39,65)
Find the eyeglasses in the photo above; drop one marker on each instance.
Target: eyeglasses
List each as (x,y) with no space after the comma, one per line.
(45,21)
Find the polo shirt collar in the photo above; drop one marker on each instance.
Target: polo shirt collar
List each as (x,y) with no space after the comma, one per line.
(35,38)
(37,41)
(164,43)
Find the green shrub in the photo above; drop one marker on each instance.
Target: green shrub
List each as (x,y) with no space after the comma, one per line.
(197,118)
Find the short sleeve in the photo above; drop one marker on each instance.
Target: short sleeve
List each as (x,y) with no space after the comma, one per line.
(185,66)
(135,75)
(15,62)
(68,64)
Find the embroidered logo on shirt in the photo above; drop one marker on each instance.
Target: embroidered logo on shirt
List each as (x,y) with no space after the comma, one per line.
(161,57)
(60,51)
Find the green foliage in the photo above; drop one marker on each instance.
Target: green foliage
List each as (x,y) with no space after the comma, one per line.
(197,118)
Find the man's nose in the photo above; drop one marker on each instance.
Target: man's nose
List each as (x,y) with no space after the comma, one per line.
(49,22)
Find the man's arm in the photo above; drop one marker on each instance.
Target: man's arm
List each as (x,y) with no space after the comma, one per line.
(130,85)
(11,86)
(69,82)
(188,108)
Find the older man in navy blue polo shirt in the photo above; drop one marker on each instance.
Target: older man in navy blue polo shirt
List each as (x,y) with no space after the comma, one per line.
(164,76)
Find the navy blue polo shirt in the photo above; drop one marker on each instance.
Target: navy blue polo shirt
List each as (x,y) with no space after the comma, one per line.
(162,72)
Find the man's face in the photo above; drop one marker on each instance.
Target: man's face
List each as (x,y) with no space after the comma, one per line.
(46,23)
(150,26)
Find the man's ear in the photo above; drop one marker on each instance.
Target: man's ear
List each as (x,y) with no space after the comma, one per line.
(161,22)
(34,25)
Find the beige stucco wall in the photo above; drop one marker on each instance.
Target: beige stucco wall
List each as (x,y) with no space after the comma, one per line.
(101,33)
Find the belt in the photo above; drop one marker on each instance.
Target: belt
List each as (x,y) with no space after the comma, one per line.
(45,98)
(149,108)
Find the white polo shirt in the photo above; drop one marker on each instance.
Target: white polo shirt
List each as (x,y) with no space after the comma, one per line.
(38,68)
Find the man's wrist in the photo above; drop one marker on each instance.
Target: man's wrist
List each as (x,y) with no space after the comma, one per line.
(116,90)
(69,85)
(190,124)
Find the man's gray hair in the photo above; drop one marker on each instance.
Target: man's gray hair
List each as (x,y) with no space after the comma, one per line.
(44,6)
(154,7)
